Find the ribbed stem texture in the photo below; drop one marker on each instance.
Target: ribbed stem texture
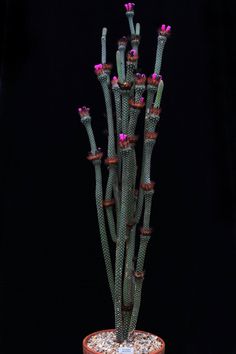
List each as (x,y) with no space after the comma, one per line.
(138,282)
(161,41)
(120,245)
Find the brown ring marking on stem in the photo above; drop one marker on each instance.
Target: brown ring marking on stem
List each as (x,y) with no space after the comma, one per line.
(164,33)
(124,144)
(144,231)
(147,186)
(139,275)
(127,308)
(125,85)
(122,41)
(133,139)
(111,160)
(99,72)
(151,135)
(107,66)
(133,58)
(140,81)
(96,156)
(108,202)
(136,105)
(135,37)
(155,110)
(152,81)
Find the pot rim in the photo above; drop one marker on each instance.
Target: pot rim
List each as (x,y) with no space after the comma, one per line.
(85,340)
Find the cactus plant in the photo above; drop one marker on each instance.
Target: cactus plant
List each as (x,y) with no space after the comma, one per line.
(127,199)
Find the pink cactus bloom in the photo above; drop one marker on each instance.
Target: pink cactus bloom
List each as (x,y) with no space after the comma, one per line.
(98,68)
(129,6)
(133,52)
(83,111)
(123,137)
(140,79)
(140,76)
(142,100)
(165,30)
(115,79)
(154,76)
(154,79)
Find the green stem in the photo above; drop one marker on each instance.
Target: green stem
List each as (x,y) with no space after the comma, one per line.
(117,98)
(138,282)
(103,45)
(159,94)
(148,147)
(130,248)
(102,226)
(125,95)
(107,96)
(148,195)
(151,90)
(119,66)
(161,41)
(130,16)
(109,209)
(99,205)
(122,62)
(120,245)
(130,71)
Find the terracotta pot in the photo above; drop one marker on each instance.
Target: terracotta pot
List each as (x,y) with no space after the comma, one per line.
(87,350)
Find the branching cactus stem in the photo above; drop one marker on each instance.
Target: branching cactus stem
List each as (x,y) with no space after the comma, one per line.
(119,67)
(130,15)
(109,202)
(125,203)
(102,77)
(95,156)
(159,94)
(139,277)
(121,241)
(103,45)
(122,44)
(125,95)
(161,41)
(152,85)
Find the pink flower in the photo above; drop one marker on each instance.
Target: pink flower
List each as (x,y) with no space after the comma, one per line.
(133,52)
(140,79)
(165,30)
(132,55)
(154,79)
(140,76)
(83,111)
(154,76)
(114,80)
(129,6)
(98,69)
(123,137)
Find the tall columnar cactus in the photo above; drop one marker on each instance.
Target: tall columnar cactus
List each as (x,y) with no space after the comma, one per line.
(126,202)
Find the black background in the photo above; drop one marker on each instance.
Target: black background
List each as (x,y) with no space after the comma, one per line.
(53,284)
